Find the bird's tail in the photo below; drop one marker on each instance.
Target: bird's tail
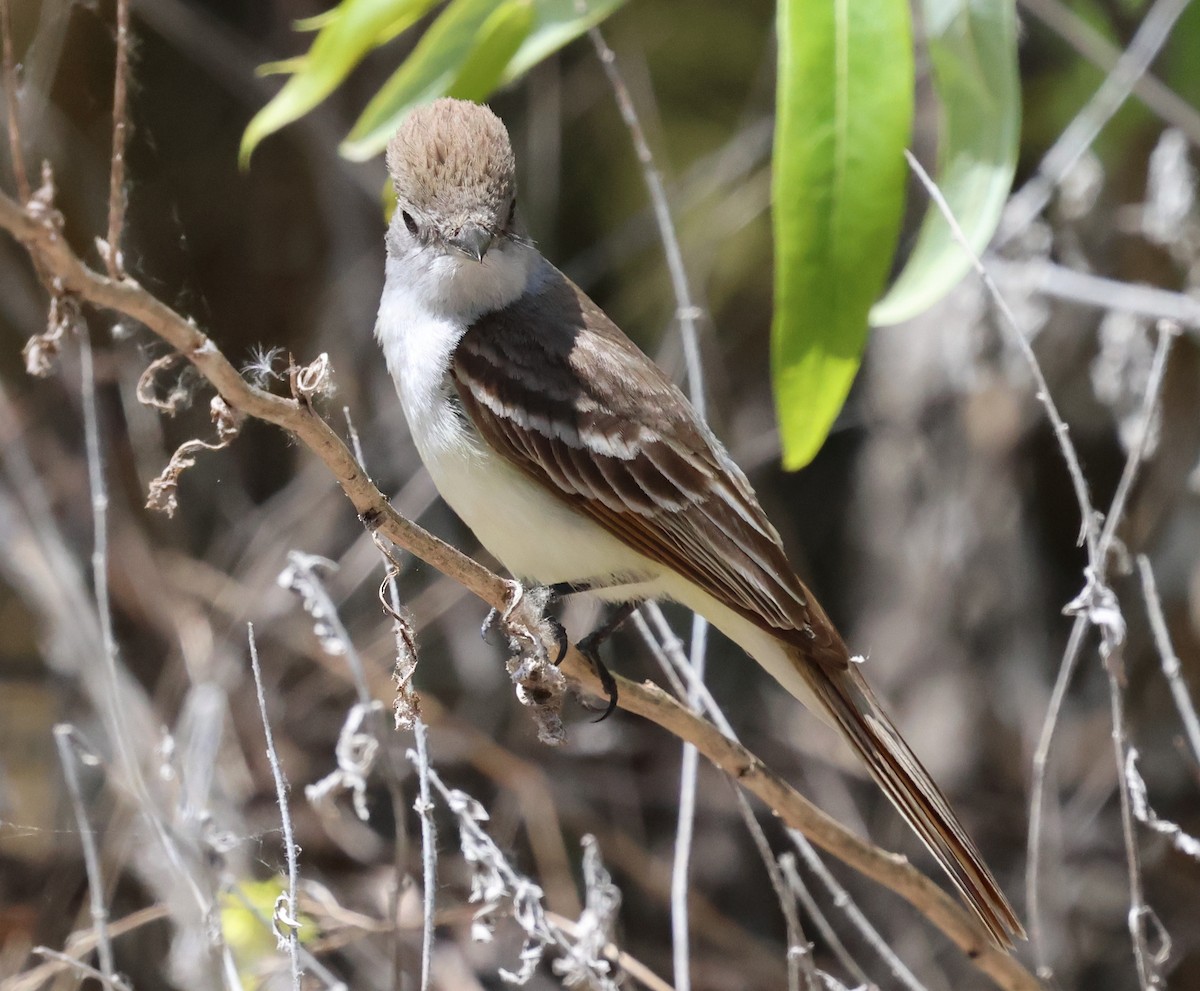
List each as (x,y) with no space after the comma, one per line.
(860,718)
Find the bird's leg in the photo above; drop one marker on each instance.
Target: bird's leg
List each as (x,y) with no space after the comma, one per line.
(589,647)
(555,592)
(551,593)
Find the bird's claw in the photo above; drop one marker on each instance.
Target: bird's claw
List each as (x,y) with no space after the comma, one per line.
(537,598)
(589,649)
(490,623)
(498,619)
(562,642)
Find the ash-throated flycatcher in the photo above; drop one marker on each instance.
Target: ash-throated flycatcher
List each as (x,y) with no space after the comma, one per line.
(576,461)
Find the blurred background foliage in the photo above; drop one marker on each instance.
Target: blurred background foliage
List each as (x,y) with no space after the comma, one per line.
(936,524)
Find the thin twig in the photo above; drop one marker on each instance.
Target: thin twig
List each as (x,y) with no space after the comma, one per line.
(1097,49)
(684,832)
(114,711)
(854,914)
(10,99)
(799,950)
(1091,540)
(78,944)
(287,925)
(115,983)
(648,701)
(1096,604)
(1032,198)
(70,748)
(1171,667)
(1137,451)
(1149,964)
(428,852)
(1046,278)
(1105,604)
(686,310)
(787,864)
(392,772)
(1039,766)
(120,115)
(99,501)
(1087,514)
(679,668)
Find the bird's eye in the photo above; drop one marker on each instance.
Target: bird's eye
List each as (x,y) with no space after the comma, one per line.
(411,224)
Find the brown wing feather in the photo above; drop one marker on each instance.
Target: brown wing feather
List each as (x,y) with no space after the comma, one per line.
(554,386)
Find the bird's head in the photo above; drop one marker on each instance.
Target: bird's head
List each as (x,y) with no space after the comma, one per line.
(452,167)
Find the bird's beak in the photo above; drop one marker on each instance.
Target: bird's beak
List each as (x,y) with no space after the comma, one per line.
(473,241)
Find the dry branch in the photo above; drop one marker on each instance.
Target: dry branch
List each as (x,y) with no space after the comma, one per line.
(50,251)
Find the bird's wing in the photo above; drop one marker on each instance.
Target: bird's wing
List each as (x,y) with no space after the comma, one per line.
(556,388)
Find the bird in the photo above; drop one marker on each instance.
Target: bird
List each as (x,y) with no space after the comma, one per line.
(580,465)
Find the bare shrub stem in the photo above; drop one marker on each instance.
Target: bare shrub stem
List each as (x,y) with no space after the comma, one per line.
(286,921)
(855,915)
(1149,964)
(120,117)
(800,966)
(71,748)
(10,98)
(687,313)
(429,854)
(1096,604)
(787,864)
(1089,42)
(1170,660)
(81,968)
(1147,42)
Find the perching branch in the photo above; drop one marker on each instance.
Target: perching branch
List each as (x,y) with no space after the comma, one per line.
(297,416)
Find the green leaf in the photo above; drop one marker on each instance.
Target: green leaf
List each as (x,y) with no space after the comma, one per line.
(316,22)
(556,24)
(496,43)
(973,50)
(426,74)
(284,67)
(347,33)
(441,60)
(843,119)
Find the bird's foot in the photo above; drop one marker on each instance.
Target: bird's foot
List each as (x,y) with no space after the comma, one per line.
(589,647)
(529,634)
(528,605)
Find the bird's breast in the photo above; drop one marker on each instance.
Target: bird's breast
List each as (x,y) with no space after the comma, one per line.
(533,533)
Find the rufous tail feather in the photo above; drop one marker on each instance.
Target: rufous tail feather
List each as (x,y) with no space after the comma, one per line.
(893,765)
